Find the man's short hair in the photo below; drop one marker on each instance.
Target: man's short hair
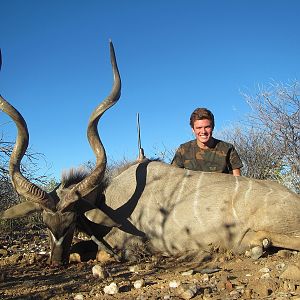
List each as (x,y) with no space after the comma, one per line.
(201,113)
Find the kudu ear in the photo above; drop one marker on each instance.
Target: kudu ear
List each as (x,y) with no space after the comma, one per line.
(94,214)
(21,210)
(97,216)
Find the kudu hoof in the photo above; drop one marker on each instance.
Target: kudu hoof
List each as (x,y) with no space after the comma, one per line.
(257,251)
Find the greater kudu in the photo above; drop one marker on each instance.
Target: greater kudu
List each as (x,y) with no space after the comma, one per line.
(175,209)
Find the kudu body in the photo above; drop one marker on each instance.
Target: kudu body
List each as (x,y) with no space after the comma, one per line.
(181,210)
(174,209)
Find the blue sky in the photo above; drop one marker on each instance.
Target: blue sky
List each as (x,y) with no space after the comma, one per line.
(173,56)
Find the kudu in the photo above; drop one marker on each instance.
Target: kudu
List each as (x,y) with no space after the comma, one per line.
(172,208)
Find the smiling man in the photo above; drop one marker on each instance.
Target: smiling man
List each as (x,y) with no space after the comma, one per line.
(206,153)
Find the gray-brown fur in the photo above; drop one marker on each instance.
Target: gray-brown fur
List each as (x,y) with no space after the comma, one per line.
(179,210)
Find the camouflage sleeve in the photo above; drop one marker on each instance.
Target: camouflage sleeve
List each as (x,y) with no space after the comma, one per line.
(177,159)
(235,161)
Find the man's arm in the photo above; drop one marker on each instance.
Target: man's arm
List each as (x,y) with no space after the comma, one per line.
(236,172)
(235,162)
(177,159)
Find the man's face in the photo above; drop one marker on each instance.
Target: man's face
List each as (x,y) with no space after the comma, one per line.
(203,131)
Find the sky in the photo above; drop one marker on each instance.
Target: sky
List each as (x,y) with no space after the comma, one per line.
(173,56)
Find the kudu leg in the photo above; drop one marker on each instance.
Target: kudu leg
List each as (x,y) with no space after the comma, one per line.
(102,245)
(98,239)
(260,240)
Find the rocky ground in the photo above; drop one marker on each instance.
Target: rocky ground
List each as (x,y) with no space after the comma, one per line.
(205,275)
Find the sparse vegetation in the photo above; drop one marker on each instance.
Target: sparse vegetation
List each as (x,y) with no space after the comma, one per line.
(268,141)
(8,196)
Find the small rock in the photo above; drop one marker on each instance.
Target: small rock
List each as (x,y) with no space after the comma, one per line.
(111,289)
(104,257)
(74,257)
(284,253)
(188,292)
(99,272)
(228,286)
(78,297)
(139,283)
(292,272)
(266,276)
(221,285)
(187,273)
(240,287)
(174,284)
(205,277)
(235,294)
(134,269)
(264,270)
(256,252)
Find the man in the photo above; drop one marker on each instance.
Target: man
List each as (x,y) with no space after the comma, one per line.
(206,153)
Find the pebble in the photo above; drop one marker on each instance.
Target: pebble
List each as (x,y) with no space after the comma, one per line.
(266,276)
(187,273)
(284,253)
(228,286)
(139,284)
(99,272)
(103,257)
(234,294)
(264,270)
(188,292)
(111,289)
(174,284)
(205,277)
(78,297)
(134,269)
(74,257)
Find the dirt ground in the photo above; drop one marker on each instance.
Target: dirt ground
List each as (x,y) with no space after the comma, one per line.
(215,274)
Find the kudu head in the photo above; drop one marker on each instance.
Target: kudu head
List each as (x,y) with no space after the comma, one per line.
(76,195)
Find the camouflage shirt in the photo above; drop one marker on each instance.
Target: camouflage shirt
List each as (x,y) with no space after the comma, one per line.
(222,157)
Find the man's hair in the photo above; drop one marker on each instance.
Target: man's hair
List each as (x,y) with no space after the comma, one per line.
(202,114)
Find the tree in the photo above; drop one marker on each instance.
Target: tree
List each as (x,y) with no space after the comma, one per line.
(259,154)
(30,169)
(269,139)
